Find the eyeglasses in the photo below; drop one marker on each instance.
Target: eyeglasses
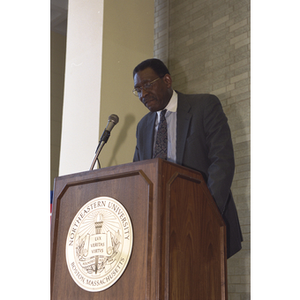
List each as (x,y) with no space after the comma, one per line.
(146,87)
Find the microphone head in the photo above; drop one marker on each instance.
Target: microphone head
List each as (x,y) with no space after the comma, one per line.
(113,118)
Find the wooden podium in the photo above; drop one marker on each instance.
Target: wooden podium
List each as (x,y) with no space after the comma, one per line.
(179,237)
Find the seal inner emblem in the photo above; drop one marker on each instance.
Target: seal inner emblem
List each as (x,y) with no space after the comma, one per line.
(99,244)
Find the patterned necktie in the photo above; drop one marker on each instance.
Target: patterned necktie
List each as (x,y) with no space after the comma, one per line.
(161,144)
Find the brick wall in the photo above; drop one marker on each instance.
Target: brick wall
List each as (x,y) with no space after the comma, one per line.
(206,45)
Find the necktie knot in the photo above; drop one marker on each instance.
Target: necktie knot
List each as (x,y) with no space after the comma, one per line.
(163,112)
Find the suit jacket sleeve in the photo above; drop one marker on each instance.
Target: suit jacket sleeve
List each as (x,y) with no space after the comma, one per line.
(220,152)
(144,137)
(136,156)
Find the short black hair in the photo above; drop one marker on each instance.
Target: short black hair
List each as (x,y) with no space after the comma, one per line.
(155,64)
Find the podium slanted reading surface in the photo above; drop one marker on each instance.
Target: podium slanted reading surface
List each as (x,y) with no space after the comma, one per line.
(179,236)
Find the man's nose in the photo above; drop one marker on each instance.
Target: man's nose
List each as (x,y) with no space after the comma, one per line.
(143,93)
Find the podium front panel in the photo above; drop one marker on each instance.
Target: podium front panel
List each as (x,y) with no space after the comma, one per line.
(128,189)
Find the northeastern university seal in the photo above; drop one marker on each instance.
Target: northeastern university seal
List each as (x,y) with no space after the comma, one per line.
(99,244)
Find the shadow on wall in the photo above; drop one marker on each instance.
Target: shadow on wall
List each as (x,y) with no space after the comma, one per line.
(128,122)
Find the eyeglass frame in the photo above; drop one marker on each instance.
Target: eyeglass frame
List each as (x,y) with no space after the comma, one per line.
(147,89)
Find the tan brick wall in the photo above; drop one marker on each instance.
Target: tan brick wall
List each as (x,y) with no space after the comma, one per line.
(206,45)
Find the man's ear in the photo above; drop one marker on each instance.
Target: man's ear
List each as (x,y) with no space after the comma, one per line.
(168,80)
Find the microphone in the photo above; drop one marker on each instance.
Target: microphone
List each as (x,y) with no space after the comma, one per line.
(112,121)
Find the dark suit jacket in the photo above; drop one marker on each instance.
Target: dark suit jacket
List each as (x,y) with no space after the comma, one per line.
(203,144)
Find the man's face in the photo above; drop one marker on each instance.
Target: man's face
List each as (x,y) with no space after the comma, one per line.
(158,96)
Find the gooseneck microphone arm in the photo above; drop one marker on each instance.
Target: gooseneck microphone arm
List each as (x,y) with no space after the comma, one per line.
(112,121)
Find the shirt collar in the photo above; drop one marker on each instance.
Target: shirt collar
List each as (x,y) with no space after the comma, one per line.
(172,105)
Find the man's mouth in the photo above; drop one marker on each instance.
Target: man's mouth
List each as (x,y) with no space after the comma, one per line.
(148,101)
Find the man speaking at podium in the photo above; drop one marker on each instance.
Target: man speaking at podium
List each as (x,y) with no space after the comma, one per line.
(190,130)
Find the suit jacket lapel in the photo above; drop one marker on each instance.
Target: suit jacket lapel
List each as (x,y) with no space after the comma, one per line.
(150,133)
(183,123)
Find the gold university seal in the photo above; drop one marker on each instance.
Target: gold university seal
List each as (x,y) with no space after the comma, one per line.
(99,244)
